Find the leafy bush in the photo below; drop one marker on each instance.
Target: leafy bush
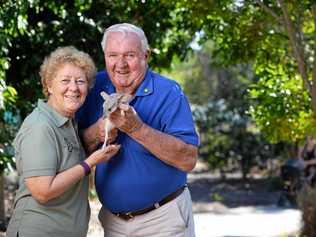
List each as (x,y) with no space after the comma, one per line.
(9,123)
(230,140)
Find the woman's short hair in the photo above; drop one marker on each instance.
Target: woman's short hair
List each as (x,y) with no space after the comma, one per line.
(61,56)
(126,28)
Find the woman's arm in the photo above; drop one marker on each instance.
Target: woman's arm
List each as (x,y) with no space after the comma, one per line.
(45,188)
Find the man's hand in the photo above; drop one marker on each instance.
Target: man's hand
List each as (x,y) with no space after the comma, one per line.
(126,119)
(165,147)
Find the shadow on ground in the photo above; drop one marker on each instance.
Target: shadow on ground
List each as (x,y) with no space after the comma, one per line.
(211,193)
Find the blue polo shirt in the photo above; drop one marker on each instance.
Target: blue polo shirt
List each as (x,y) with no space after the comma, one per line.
(135,179)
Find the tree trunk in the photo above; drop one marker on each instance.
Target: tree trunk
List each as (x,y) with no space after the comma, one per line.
(245,167)
(2,207)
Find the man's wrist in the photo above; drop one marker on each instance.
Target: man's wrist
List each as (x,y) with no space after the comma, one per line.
(137,127)
(89,138)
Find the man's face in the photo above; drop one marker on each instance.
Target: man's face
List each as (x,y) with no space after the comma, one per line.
(125,61)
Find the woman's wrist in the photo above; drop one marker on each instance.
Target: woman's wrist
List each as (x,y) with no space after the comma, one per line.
(86,167)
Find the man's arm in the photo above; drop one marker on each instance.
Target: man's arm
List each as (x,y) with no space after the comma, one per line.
(89,137)
(165,147)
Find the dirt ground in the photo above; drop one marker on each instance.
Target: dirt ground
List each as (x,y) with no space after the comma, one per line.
(209,192)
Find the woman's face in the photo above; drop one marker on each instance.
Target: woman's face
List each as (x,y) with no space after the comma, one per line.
(68,89)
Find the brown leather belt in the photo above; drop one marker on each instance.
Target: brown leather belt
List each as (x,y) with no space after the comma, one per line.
(129,215)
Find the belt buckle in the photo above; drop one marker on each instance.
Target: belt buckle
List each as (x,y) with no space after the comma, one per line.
(125,216)
(129,214)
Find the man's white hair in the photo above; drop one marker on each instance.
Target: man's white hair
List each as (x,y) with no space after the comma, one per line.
(126,28)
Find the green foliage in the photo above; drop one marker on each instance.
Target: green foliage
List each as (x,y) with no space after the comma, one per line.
(229,137)
(217,197)
(8,126)
(281,107)
(12,23)
(254,32)
(32,29)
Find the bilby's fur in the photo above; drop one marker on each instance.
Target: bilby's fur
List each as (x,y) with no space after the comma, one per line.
(111,103)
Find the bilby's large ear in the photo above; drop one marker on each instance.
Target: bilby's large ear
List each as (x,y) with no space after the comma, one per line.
(129,98)
(126,98)
(104,95)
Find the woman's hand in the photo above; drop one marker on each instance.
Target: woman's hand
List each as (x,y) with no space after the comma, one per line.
(102,155)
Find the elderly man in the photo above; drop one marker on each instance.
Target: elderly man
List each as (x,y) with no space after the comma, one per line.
(143,189)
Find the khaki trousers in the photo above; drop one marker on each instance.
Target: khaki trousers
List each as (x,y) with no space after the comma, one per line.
(174,219)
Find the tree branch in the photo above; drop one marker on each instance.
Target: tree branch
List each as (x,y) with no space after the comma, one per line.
(314,64)
(296,45)
(269,11)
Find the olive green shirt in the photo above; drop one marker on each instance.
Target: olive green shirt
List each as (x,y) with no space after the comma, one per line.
(47,144)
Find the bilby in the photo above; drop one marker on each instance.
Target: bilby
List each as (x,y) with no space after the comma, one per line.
(111,103)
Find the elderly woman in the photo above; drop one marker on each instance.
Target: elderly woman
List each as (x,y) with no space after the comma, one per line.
(52,199)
